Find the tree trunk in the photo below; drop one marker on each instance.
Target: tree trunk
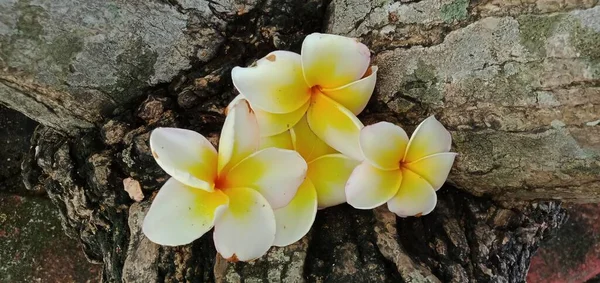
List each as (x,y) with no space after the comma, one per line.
(517,84)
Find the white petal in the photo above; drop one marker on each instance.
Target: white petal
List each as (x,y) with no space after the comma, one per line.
(273,124)
(414,198)
(307,143)
(283,140)
(335,125)
(329,174)
(180,214)
(383,145)
(185,155)
(275,173)
(270,124)
(434,168)
(246,229)
(331,61)
(233,102)
(369,187)
(355,95)
(275,84)
(239,137)
(295,219)
(429,138)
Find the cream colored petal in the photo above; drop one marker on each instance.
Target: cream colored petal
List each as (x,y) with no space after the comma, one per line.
(246,229)
(239,136)
(429,138)
(434,168)
(329,174)
(275,84)
(270,124)
(335,125)
(369,187)
(383,144)
(295,219)
(283,140)
(180,214)
(415,196)
(233,102)
(355,95)
(331,61)
(185,155)
(273,124)
(275,173)
(307,143)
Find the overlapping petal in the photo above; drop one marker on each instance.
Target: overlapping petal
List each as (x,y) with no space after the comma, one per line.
(180,214)
(429,138)
(239,137)
(276,84)
(270,124)
(233,102)
(415,196)
(185,155)
(355,95)
(383,145)
(369,187)
(275,173)
(295,219)
(283,140)
(307,143)
(329,174)
(331,61)
(273,124)
(246,229)
(335,125)
(433,168)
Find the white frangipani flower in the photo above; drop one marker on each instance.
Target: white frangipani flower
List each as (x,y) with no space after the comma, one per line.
(330,82)
(404,173)
(234,190)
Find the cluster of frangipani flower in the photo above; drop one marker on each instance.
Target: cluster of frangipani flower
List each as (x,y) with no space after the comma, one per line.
(291,144)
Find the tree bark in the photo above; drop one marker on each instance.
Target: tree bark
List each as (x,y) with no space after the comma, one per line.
(517,85)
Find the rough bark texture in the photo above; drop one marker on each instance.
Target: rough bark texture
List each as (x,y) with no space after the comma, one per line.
(517,83)
(32,243)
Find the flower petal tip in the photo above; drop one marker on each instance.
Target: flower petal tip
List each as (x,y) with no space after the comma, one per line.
(276,84)
(185,155)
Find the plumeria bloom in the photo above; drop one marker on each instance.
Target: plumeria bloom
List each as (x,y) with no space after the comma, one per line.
(328,171)
(330,82)
(405,174)
(234,190)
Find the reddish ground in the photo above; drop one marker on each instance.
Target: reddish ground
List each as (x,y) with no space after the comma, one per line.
(573,255)
(33,246)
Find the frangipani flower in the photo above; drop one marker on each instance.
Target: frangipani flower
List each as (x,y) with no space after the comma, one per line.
(323,187)
(234,190)
(405,174)
(330,82)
